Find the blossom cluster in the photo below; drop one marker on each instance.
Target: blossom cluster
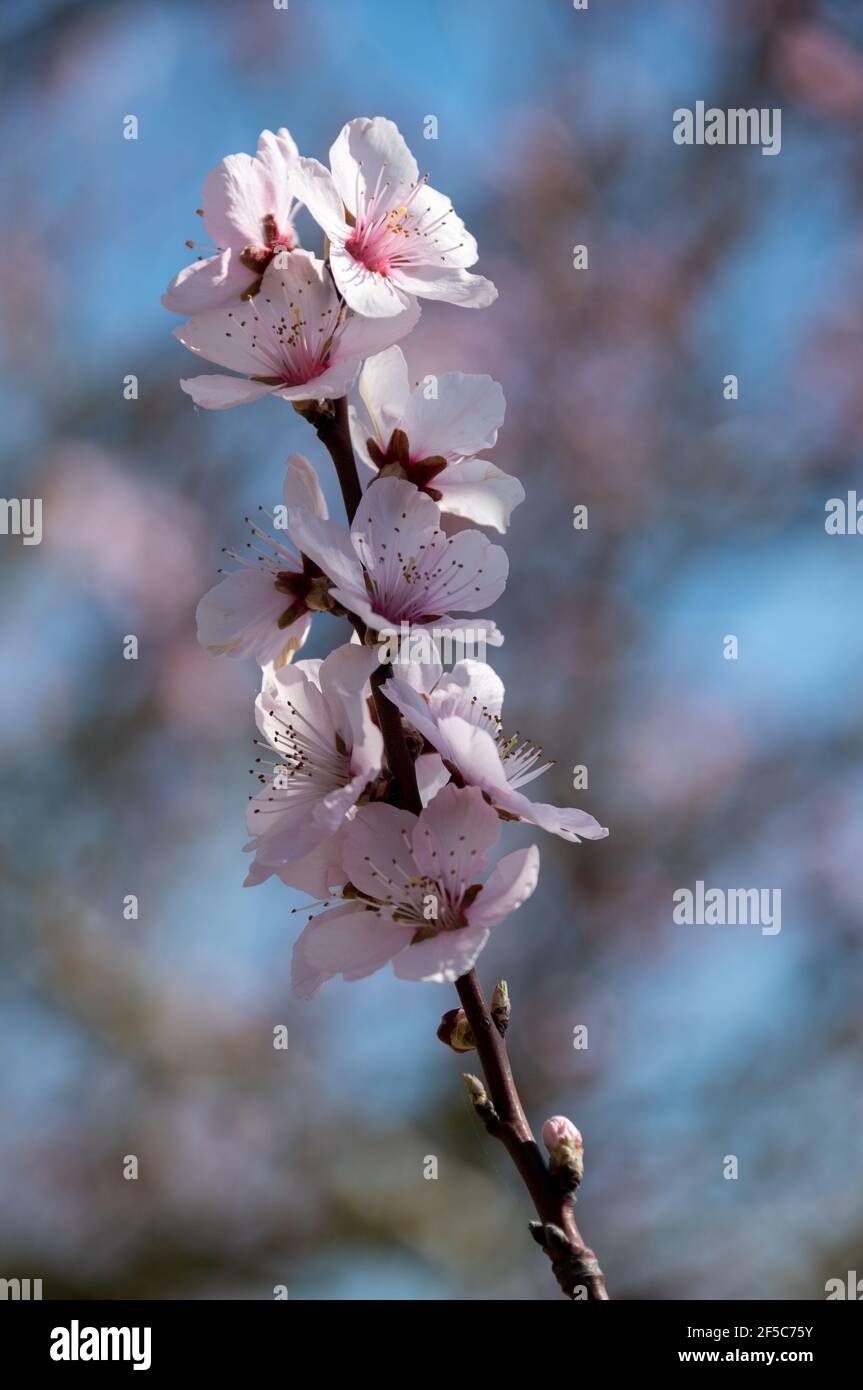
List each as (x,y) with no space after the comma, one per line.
(400,883)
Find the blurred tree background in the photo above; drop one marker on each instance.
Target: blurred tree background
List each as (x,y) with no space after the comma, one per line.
(154,1037)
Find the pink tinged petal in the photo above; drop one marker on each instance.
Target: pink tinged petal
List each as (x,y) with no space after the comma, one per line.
(337,380)
(232,202)
(476,573)
(468,683)
(452,835)
(362,430)
(366,153)
(242,191)
(221,392)
(319,871)
(314,186)
(303,488)
(367,292)
(451,285)
(431,776)
(331,811)
(362,337)
(463,420)
(278,153)
(567,822)
(413,706)
(240,616)
(509,885)
(344,681)
(392,516)
(474,752)
(208,283)
(346,941)
(224,336)
(377,856)
(329,546)
(442,959)
(385,389)
(479,492)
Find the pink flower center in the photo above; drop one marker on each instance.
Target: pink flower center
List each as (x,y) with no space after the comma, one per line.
(391,230)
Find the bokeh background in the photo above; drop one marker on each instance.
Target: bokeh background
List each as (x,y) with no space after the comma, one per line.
(154,1037)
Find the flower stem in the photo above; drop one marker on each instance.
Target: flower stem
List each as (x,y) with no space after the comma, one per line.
(575,1266)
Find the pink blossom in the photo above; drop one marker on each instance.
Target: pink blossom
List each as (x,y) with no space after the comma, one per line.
(294,339)
(264,609)
(459,712)
(397,566)
(314,715)
(434,440)
(248,212)
(418,898)
(391,236)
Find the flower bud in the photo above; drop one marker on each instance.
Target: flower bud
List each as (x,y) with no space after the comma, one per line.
(500,1006)
(565,1151)
(455,1031)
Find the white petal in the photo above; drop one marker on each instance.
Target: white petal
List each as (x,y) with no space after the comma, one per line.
(463,420)
(366,152)
(479,492)
(385,386)
(314,186)
(451,285)
(240,616)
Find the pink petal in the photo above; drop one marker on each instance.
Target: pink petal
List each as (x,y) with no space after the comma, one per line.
(208,283)
(442,959)
(217,392)
(367,292)
(451,837)
(329,546)
(378,851)
(240,615)
(345,941)
(509,884)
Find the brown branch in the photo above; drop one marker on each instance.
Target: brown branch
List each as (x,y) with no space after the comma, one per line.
(575,1266)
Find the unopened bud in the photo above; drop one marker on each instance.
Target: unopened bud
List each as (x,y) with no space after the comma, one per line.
(475,1090)
(455,1031)
(565,1151)
(500,1006)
